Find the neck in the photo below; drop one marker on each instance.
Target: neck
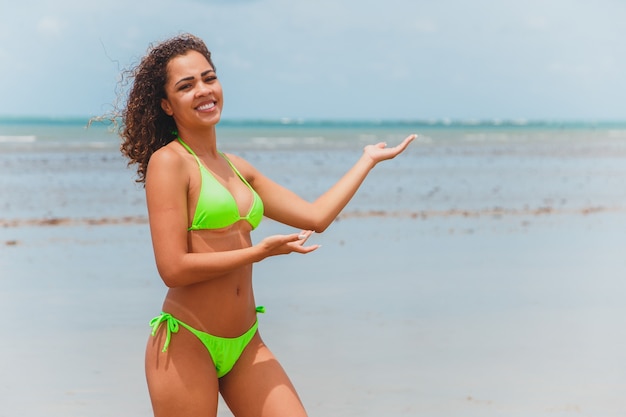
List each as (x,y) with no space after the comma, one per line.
(203,142)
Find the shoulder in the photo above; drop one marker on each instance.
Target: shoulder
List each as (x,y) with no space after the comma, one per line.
(167,162)
(167,157)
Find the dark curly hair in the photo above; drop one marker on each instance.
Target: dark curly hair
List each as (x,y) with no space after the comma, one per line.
(145,126)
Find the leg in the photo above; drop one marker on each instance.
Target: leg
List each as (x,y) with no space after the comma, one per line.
(181,381)
(259,387)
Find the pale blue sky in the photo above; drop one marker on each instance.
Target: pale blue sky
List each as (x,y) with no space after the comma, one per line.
(357,59)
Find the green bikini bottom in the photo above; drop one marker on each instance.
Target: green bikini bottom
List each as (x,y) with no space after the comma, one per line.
(225,351)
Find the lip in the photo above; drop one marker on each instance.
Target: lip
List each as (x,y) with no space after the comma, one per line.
(207,106)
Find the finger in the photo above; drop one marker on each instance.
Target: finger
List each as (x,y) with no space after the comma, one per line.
(304,235)
(296,239)
(292,238)
(405,143)
(306,249)
(408,140)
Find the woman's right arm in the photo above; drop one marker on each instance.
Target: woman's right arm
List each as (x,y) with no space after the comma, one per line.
(167,185)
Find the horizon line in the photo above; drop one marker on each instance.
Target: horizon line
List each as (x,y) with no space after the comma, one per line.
(345,121)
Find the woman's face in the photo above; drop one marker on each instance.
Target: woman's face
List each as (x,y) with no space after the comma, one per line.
(193,93)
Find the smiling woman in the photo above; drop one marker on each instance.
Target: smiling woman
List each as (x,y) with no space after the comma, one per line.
(143,114)
(200,91)
(203,205)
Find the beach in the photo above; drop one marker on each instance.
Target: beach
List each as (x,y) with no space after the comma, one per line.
(481,273)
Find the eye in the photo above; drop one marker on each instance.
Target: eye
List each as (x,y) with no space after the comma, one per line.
(184,87)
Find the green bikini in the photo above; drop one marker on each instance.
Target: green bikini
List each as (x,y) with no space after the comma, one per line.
(225,351)
(216,209)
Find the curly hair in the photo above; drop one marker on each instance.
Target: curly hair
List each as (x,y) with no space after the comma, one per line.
(145,126)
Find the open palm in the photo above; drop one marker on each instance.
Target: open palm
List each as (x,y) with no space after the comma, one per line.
(380,152)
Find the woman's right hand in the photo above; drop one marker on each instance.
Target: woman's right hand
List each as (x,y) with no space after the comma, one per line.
(285,244)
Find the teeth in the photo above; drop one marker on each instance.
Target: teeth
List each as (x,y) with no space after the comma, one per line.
(206,106)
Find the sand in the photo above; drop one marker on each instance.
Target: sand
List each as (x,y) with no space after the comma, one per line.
(470,288)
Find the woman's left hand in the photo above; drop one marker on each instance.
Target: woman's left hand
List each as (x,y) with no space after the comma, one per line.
(380,152)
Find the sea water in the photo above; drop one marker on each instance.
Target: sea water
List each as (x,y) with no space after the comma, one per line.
(480,273)
(61,168)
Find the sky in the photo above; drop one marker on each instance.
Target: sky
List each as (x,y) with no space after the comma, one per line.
(330,59)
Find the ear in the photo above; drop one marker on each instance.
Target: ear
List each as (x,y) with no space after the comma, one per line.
(165,105)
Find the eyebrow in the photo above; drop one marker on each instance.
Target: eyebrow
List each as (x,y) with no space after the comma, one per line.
(192,77)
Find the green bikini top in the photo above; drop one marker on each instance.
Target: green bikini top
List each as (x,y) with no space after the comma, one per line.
(216,207)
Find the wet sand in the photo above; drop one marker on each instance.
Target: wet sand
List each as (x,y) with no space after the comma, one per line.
(393,318)
(474,286)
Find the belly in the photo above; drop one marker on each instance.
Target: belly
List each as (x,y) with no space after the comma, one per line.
(223,305)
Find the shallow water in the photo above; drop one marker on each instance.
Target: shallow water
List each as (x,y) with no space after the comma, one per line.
(471,278)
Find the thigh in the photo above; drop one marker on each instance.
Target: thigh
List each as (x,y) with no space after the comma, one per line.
(181,381)
(258,386)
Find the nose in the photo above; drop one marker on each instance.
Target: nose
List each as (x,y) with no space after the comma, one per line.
(203,89)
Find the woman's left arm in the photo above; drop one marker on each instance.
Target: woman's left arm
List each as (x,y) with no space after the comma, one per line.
(287,207)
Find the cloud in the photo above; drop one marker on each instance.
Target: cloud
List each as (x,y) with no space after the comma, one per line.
(50,26)
(425,26)
(282,50)
(225,2)
(537,22)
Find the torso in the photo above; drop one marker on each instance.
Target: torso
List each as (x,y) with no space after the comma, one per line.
(222,306)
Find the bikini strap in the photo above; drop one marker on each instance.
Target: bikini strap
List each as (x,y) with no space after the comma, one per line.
(172,327)
(232,166)
(189,150)
(235,170)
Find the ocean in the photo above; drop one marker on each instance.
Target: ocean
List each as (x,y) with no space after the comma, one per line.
(82,169)
(480,273)
(24,133)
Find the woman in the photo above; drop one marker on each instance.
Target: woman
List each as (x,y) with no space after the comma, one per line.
(202,207)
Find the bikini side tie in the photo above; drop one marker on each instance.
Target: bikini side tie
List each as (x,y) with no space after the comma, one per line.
(172,327)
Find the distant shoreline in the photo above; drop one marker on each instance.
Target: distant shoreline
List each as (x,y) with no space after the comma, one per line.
(494,212)
(495,123)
